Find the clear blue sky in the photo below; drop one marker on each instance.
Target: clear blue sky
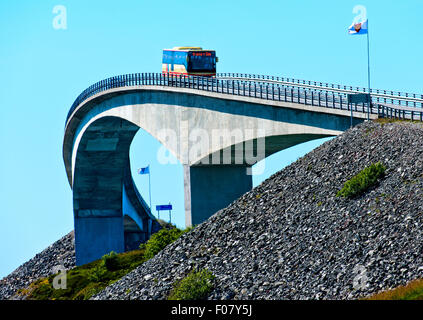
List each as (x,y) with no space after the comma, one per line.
(43,70)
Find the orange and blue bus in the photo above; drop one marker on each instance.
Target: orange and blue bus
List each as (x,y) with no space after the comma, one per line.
(191,61)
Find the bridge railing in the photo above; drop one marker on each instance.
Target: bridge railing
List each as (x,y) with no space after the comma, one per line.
(378,95)
(241,85)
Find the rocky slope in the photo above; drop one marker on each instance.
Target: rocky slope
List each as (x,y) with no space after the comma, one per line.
(62,252)
(292,238)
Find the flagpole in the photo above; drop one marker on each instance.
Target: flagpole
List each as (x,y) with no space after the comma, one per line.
(368,72)
(149,186)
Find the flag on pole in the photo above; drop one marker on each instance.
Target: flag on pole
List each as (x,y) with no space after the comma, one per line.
(145,170)
(363,28)
(358,28)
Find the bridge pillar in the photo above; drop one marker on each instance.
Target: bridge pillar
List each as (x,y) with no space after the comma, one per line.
(109,212)
(209,188)
(95,236)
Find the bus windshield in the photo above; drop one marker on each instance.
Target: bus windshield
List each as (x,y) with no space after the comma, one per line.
(202,61)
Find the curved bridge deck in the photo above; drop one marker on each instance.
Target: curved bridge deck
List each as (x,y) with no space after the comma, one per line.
(385,103)
(218,128)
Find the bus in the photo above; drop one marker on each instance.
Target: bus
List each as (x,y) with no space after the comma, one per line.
(189,61)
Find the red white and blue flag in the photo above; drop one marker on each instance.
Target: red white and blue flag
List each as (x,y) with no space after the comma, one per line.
(358,28)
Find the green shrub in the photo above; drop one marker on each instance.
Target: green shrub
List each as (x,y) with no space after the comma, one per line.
(159,241)
(365,179)
(111,261)
(97,273)
(195,286)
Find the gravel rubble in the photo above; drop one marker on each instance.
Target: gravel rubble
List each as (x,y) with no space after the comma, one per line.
(60,253)
(292,238)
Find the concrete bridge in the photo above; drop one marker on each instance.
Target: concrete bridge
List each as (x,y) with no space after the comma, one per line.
(217,128)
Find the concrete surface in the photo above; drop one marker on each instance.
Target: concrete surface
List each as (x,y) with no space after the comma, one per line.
(217,137)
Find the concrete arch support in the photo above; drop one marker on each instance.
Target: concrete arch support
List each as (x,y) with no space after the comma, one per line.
(108,213)
(216,137)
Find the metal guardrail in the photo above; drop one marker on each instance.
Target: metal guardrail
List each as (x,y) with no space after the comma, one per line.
(378,95)
(384,103)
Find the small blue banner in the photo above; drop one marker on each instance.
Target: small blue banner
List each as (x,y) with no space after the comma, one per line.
(164,207)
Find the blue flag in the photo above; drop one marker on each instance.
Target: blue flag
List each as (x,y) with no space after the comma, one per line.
(145,170)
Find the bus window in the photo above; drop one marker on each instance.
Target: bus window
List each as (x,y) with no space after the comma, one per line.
(202,61)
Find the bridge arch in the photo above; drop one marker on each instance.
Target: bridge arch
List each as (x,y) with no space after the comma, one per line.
(100,129)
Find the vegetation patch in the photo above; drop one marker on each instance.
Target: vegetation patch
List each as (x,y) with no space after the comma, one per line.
(411,291)
(160,240)
(111,261)
(361,182)
(87,280)
(195,286)
(383,121)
